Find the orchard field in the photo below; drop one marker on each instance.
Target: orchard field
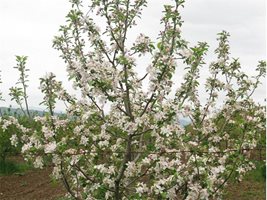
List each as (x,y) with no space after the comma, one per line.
(135,128)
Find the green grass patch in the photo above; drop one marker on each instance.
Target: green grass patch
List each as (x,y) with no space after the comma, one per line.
(64,198)
(258,174)
(11,167)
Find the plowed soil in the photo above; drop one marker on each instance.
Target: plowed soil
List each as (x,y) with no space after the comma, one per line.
(37,185)
(31,185)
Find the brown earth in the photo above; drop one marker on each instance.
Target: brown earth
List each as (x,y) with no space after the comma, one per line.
(246,190)
(31,185)
(37,185)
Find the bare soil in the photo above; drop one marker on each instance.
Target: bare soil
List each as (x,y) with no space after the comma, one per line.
(31,185)
(37,185)
(246,190)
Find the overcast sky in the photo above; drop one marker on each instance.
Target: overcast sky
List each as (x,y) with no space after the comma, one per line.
(28,27)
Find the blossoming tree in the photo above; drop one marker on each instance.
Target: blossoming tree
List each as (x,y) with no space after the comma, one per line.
(1,97)
(19,94)
(138,149)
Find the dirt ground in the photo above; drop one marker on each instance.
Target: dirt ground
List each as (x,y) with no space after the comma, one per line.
(31,185)
(246,190)
(37,185)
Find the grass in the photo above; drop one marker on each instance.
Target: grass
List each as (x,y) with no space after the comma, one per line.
(11,167)
(64,198)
